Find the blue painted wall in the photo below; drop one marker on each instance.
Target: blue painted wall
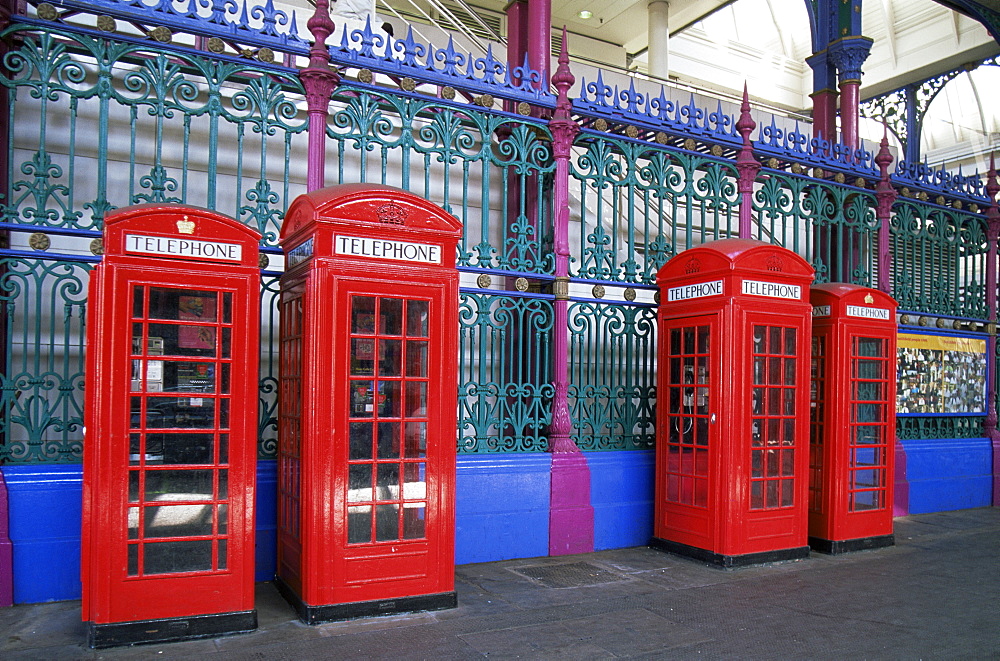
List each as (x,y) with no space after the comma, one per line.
(949,474)
(621,491)
(266,561)
(501,507)
(45,514)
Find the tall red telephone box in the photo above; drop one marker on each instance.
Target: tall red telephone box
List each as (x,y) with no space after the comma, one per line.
(170,446)
(853,418)
(369,387)
(732,414)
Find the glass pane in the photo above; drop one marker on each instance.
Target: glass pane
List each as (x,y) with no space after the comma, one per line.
(413,521)
(362,399)
(227,340)
(226,369)
(363,356)
(390,357)
(361,440)
(223,449)
(416,440)
(181,340)
(388,481)
(227,308)
(790,347)
(416,318)
(223,548)
(177,521)
(175,557)
(416,400)
(133,486)
(359,487)
(224,413)
(787,493)
(135,449)
(359,524)
(181,304)
(414,487)
(391,316)
(756,495)
(138,304)
(179,448)
(789,371)
(388,440)
(386,522)
(133,523)
(675,341)
(223,519)
(703,338)
(180,412)
(389,396)
(223,484)
(363,314)
(759,337)
(416,358)
(178,485)
(133,559)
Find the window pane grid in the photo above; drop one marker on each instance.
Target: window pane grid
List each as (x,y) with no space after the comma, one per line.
(869,430)
(688,385)
(773,408)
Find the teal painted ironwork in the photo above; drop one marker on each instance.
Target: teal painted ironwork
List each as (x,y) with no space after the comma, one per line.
(918,427)
(504,367)
(462,158)
(832,225)
(612,364)
(640,204)
(939,260)
(41,390)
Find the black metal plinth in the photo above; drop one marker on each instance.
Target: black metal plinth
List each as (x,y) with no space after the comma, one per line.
(729,561)
(142,632)
(834,547)
(336,612)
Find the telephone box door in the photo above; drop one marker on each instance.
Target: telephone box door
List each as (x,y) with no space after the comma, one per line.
(393,509)
(690,392)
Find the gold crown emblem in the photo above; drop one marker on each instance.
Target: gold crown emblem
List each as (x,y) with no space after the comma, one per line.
(869,299)
(185,226)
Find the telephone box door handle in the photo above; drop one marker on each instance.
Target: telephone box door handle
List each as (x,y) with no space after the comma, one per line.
(712,419)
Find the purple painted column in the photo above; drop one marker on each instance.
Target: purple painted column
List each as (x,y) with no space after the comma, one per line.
(885,196)
(571,515)
(747,166)
(319,81)
(540,38)
(992,234)
(848,55)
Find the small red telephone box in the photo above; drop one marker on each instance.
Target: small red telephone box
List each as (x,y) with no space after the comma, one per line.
(853,418)
(369,387)
(732,414)
(170,448)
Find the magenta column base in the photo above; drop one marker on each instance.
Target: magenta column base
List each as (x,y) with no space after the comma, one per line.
(901,488)
(571,516)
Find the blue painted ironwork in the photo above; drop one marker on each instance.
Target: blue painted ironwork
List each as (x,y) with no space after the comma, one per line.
(375,50)
(612,363)
(247,22)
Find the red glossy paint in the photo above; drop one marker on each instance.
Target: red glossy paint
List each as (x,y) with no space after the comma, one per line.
(369,378)
(171,412)
(731,473)
(854,414)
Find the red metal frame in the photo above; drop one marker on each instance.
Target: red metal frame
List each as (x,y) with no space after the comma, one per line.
(369,336)
(171,408)
(854,426)
(734,329)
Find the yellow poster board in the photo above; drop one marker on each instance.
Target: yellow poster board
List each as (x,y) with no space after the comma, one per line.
(940,374)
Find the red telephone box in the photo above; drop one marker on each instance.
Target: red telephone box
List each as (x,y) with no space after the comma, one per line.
(369,387)
(170,448)
(853,418)
(732,414)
